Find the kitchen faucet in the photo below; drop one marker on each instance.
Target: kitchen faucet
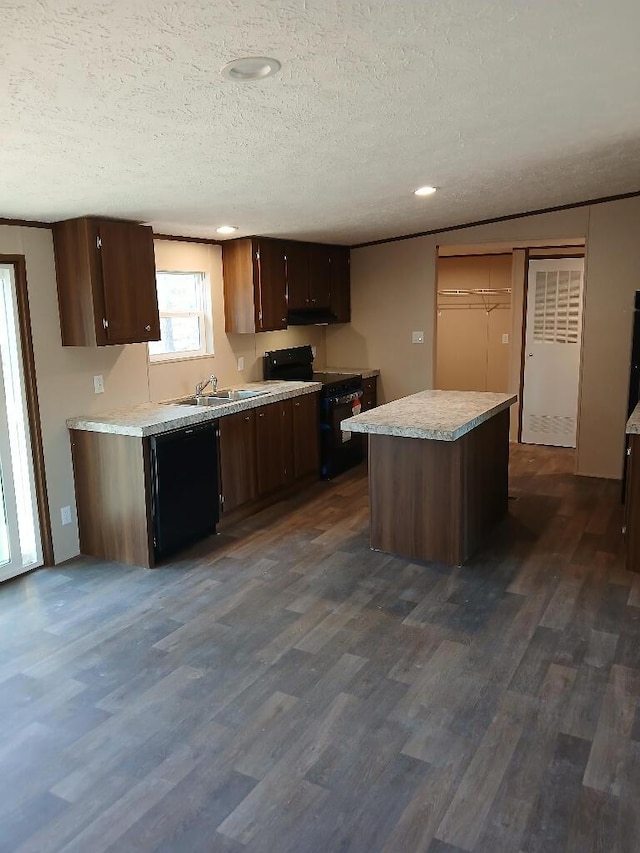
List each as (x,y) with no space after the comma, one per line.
(202,385)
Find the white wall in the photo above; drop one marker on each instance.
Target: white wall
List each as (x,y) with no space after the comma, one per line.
(65,374)
(393,293)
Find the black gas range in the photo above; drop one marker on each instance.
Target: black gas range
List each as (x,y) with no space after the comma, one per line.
(339,399)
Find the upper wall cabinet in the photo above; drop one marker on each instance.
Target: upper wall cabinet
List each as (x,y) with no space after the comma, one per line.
(308,276)
(255,290)
(106,282)
(340,282)
(266,279)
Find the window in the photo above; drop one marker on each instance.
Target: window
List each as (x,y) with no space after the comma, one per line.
(184,302)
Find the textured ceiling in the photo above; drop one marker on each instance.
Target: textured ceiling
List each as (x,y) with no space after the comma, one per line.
(116,107)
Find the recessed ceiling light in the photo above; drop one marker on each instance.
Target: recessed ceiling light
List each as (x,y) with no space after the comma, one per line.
(425,190)
(226,229)
(250,68)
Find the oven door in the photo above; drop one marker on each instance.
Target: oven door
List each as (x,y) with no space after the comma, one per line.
(338,410)
(340,450)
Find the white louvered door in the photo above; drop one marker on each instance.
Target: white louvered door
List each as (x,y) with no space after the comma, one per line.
(552,351)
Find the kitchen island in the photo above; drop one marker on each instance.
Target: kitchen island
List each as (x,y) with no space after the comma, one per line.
(438,472)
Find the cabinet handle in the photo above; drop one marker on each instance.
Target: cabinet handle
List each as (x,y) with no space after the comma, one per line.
(261,415)
(147,328)
(105,324)
(296,404)
(247,417)
(284,319)
(313,300)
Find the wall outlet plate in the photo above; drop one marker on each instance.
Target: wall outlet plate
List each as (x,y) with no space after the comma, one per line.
(505,338)
(417,337)
(98,384)
(65,514)
(241,363)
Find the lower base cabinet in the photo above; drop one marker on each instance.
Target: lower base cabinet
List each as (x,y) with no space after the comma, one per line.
(262,452)
(238,468)
(268,449)
(632,506)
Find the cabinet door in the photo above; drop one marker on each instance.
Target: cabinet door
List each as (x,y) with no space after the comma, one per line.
(271,310)
(273,447)
(319,276)
(306,436)
(340,282)
(297,276)
(238,459)
(129,282)
(369,394)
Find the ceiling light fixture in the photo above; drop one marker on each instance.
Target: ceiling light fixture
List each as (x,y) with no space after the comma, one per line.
(250,68)
(226,229)
(425,191)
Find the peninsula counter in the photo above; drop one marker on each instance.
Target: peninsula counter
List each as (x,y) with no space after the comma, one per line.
(438,472)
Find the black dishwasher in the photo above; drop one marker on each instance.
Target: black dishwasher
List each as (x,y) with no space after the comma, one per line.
(184,486)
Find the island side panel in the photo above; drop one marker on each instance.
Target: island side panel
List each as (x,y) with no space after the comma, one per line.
(415,497)
(485,487)
(111,474)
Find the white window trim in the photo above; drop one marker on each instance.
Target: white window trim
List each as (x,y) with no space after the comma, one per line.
(205,321)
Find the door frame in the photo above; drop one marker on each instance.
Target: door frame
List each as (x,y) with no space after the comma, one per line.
(549,256)
(33,407)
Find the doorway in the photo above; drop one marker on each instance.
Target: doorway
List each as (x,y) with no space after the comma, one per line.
(21,541)
(553,338)
(473,334)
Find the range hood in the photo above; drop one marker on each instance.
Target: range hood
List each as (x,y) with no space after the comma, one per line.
(311,317)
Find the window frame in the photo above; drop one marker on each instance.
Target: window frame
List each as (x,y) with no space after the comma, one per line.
(204,314)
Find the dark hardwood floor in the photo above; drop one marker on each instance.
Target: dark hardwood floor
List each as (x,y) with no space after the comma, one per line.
(282,688)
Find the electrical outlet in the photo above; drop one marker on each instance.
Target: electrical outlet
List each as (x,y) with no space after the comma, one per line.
(98,384)
(241,363)
(505,338)
(417,337)
(313,351)
(65,514)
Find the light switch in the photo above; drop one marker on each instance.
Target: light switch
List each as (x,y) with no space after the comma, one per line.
(98,384)
(505,338)
(417,337)
(65,514)
(313,351)
(241,363)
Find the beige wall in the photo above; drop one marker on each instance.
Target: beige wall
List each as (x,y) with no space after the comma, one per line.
(65,374)
(393,288)
(392,294)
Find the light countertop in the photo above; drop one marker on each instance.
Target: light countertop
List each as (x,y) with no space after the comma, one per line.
(155,418)
(633,424)
(436,415)
(365,372)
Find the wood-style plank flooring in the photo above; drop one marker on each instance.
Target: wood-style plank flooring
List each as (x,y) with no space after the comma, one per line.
(282,688)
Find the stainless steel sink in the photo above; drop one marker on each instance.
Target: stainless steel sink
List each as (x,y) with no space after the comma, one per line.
(206,400)
(219,398)
(240,394)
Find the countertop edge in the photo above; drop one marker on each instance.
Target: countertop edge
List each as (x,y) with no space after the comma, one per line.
(356,425)
(365,372)
(633,424)
(183,415)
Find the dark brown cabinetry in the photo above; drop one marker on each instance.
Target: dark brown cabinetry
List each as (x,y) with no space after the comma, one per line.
(266,449)
(105,271)
(632,505)
(305,427)
(238,474)
(255,290)
(308,276)
(369,394)
(265,279)
(340,283)
(273,447)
